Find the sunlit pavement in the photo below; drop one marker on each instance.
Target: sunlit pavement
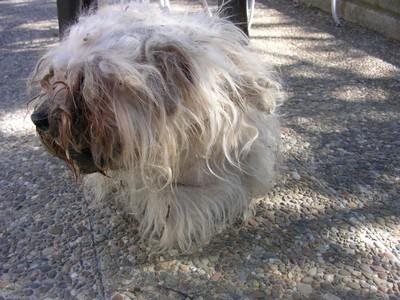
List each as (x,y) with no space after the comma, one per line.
(329,230)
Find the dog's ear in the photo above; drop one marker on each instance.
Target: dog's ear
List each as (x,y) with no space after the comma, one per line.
(176,71)
(94,116)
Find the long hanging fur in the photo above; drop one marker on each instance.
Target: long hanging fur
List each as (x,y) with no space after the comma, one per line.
(176,110)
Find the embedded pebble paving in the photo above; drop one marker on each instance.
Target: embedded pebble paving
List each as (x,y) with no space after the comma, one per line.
(329,230)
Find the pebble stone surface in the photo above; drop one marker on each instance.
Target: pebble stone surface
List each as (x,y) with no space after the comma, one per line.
(329,230)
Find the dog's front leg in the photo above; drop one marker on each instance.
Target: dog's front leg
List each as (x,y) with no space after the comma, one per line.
(195,212)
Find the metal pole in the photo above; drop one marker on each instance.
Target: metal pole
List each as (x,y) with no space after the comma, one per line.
(334,12)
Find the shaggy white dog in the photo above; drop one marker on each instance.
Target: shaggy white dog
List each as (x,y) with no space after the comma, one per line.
(173,115)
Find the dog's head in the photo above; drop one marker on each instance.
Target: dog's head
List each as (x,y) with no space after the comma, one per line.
(102,108)
(96,119)
(74,123)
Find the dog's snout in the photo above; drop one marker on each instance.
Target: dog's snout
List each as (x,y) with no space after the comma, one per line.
(41,120)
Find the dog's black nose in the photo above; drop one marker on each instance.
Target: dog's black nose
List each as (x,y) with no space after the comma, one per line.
(41,120)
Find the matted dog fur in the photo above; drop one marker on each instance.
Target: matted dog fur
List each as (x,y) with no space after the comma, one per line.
(173,116)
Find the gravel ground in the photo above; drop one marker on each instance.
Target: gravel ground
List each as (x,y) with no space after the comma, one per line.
(330,229)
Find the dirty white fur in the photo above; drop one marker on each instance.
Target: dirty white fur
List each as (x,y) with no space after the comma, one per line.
(193,108)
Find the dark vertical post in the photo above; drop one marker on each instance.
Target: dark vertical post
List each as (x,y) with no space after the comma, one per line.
(236,12)
(68,12)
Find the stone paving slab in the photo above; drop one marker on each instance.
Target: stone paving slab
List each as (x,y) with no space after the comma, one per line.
(329,230)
